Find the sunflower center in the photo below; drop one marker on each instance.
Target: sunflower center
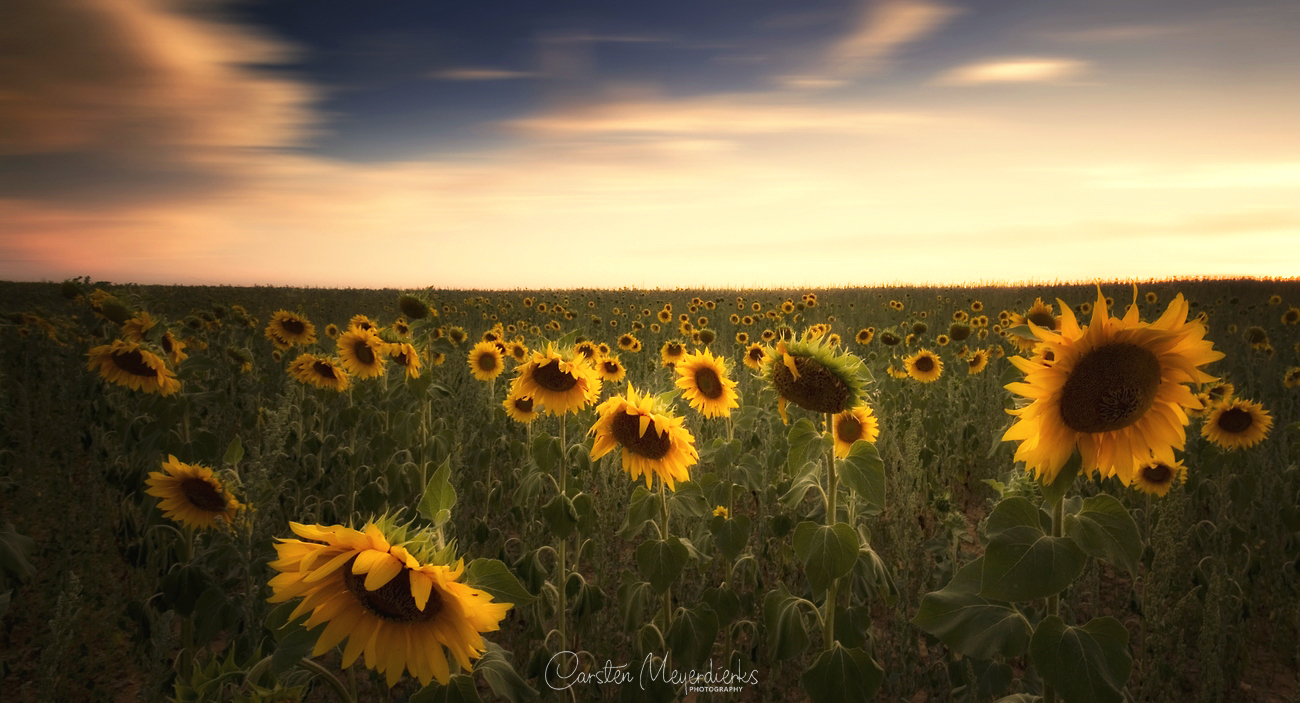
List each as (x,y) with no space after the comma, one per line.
(553,379)
(627,430)
(1110,388)
(756,354)
(364,353)
(610,367)
(324,370)
(167,344)
(849,430)
(924,364)
(818,388)
(203,495)
(133,363)
(1235,420)
(707,381)
(487,362)
(402,358)
(1042,319)
(392,601)
(1157,473)
(524,405)
(292,326)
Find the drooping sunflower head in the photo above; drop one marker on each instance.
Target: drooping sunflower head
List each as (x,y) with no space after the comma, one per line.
(811,374)
(755,355)
(856,423)
(654,443)
(290,329)
(1157,477)
(560,384)
(321,372)
(362,352)
(704,383)
(485,361)
(1114,390)
(924,366)
(1235,423)
(191,494)
(386,591)
(362,322)
(414,308)
(131,365)
(134,329)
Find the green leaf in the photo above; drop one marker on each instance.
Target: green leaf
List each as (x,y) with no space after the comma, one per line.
(495,577)
(688,500)
(661,561)
(644,507)
(875,576)
(730,535)
(295,645)
(803,439)
(1088,664)
(969,624)
(692,634)
(864,471)
(439,496)
(460,689)
(843,675)
(234,452)
(561,515)
(634,599)
(786,635)
(586,509)
(826,552)
(546,452)
(1022,562)
(15,549)
(1053,492)
(724,601)
(1104,529)
(500,674)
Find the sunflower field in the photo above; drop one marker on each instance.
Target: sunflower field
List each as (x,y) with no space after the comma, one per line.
(1062,493)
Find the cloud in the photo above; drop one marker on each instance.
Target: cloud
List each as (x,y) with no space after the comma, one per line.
(137,89)
(1279,174)
(881,30)
(1021,70)
(1118,33)
(481,74)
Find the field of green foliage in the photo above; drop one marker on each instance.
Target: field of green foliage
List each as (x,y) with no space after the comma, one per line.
(926,565)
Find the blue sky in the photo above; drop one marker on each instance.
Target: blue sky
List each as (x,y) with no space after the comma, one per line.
(723,143)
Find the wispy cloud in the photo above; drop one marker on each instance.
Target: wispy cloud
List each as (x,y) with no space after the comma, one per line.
(1277,174)
(1014,70)
(481,74)
(1118,33)
(882,29)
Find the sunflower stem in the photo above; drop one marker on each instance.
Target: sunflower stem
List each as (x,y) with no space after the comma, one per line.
(1054,600)
(828,621)
(562,548)
(329,678)
(663,534)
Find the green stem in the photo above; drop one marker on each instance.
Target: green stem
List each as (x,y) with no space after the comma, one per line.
(663,534)
(329,678)
(1054,600)
(828,620)
(562,548)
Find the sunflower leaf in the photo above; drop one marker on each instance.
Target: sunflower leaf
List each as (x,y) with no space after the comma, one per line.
(634,599)
(1091,662)
(827,552)
(234,452)
(864,471)
(561,515)
(643,508)
(1022,562)
(802,438)
(692,634)
(1053,492)
(495,577)
(500,674)
(547,452)
(439,497)
(730,535)
(460,689)
(843,675)
(786,634)
(662,561)
(1104,529)
(969,624)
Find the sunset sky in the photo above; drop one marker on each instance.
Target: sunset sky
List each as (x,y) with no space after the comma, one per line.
(558,143)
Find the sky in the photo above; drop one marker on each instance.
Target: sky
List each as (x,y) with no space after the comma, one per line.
(589,143)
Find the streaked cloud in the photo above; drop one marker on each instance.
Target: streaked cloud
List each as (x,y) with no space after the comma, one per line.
(1014,70)
(1118,33)
(481,74)
(882,29)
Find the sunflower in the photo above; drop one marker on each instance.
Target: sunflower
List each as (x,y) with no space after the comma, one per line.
(1152,298)
(1220,391)
(128,364)
(942,340)
(1291,316)
(742,338)
(561,385)
(1115,391)
(485,361)
(653,443)
(321,372)
(332,331)
(1039,314)
(173,347)
(672,352)
(134,329)
(401,328)
(517,351)
(810,374)
(383,592)
(406,356)
(362,352)
(586,350)
(923,366)
(852,425)
(1157,477)
(362,322)
(1292,377)
(704,383)
(289,329)
(520,407)
(191,495)
(865,335)
(895,372)
(978,361)
(1237,424)
(610,369)
(457,335)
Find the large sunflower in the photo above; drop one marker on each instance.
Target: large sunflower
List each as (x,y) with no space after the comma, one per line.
(378,589)
(924,366)
(128,364)
(1115,390)
(319,372)
(704,383)
(810,374)
(191,495)
(561,385)
(1237,424)
(485,361)
(653,443)
(852,425)
(362,352)
(290,329)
